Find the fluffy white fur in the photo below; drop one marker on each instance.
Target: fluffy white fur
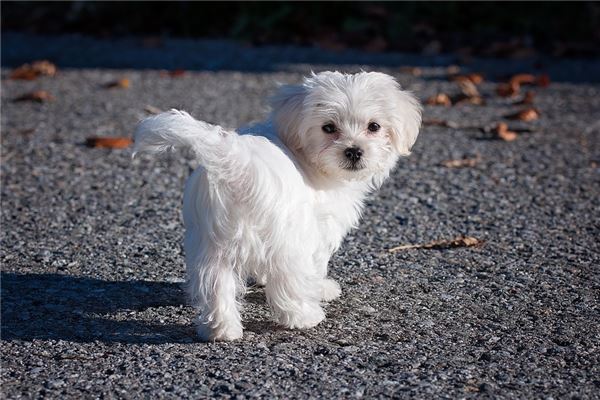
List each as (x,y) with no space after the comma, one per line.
(274,202)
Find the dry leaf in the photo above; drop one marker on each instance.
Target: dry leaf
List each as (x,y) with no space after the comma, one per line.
(32,71)
(522,79)
(476,100)
(469,93)
(462,163)
(516,81)
(176,73)
(543,80)
(474,78)
(529,79)
(460,241)
(414,71)
(507,89)
(528,114)
(503,133)
(39,96)
(468,88)
(440,99)
(44,67)
(152,110)
(527,99)
(108,142)
(122,83)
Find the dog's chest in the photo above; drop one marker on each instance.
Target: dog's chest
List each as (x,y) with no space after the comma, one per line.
(337,213)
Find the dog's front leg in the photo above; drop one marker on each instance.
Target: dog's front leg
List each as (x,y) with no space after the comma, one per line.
(293,291)
(330,289)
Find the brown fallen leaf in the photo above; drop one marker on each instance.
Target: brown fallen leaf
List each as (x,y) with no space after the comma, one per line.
(32,71)
(39,96)
(543,80)
(513,86)
(462,163)
(152,110)
(501,132)
(527,114)
(108,142)
(469,94)
(122,83)
(463,99)
(508,89)
(460,241)
(440,99)
(474,78)
(522,79)
(528,98)
(175,73)
(468,88)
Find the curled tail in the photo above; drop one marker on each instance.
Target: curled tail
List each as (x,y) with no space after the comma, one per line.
(176,129)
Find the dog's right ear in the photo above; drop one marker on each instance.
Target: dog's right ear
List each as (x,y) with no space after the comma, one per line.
(287,106)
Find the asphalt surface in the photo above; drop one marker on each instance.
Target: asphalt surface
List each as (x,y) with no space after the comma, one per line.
(92,259)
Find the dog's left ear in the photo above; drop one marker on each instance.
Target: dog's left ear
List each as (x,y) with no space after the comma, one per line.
(406,119)
(287,106)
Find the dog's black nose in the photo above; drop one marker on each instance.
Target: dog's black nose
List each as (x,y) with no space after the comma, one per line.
(353,154)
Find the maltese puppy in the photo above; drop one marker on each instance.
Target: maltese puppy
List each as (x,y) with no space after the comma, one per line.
(273,203)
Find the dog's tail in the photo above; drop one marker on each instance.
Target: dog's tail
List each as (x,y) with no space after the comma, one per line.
(176,129)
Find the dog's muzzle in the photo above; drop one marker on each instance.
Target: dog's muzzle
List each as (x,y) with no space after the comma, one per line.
(353,156)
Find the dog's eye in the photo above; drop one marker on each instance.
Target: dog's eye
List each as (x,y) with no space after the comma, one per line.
(329,128)
(374,127)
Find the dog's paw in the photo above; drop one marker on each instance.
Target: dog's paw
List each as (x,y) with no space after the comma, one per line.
(330,290)
(308,316)
(221,333)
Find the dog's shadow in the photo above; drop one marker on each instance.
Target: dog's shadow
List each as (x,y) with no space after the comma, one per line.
(82,309)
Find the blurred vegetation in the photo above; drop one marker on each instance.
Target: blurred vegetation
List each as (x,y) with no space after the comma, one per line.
(486,28)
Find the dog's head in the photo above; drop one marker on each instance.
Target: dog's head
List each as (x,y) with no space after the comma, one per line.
(348,127)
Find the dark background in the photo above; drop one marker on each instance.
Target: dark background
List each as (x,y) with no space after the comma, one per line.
(496,29)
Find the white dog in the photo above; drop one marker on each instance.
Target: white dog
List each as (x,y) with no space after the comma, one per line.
(276,203)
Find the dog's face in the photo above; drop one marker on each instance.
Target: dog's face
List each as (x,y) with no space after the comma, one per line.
(348,127)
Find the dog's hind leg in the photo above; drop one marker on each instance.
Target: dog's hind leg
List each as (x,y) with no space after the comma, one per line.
(213,284)
(214,291)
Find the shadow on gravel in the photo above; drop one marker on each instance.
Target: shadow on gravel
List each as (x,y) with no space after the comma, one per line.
(62,307)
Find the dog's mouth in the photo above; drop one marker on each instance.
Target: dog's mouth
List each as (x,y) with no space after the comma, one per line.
(349,166)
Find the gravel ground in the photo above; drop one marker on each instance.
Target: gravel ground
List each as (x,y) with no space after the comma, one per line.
(92,259)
